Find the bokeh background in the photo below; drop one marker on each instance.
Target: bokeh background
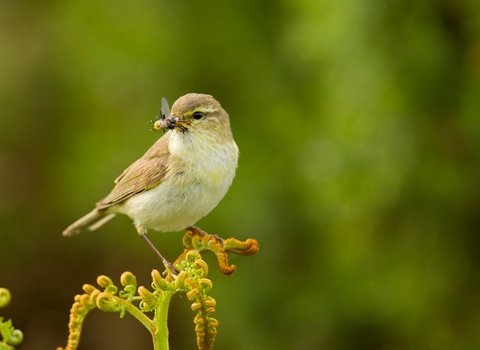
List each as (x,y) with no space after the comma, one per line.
(359,129)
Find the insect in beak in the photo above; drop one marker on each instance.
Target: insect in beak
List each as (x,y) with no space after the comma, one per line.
(164,113)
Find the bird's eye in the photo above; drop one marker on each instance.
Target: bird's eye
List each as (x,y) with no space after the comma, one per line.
(198,115)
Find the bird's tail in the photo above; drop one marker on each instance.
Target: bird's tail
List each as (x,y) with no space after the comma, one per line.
(91,221)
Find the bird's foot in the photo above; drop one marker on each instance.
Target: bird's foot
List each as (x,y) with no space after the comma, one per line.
(198,232)
(168,265)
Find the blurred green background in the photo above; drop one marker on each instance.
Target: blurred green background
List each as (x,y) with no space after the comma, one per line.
(358,124)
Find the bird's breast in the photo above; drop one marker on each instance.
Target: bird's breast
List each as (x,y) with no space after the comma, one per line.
(200,171)
(203,156)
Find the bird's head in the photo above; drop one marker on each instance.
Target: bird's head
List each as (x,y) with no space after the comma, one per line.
(195,113)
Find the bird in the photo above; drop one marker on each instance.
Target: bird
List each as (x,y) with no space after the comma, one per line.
(180,179)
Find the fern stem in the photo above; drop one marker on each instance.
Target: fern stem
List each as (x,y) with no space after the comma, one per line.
(160,335)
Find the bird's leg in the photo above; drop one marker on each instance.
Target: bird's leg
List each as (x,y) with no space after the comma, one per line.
(196,231)
(168,265)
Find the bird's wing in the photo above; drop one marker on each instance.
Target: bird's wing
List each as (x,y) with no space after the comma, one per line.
(145,173)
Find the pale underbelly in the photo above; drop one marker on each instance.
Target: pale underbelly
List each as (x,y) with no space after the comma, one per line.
(173,207)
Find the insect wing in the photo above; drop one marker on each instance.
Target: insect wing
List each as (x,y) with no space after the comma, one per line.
(165,111)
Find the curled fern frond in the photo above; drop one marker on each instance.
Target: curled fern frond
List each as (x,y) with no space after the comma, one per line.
(9,336)
(197,286)
(110,303)
(191,279)
(163,284)
(249,247)
(149,300)
(5,297)
(106,283)
(129,282)
(196,239)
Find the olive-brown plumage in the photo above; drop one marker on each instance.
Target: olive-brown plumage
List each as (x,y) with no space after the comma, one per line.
(181,178)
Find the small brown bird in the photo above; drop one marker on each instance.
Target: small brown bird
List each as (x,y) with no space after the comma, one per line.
(180,179)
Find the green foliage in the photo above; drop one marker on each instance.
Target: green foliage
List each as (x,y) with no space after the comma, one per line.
(10,337)
(358,127)
(192,280)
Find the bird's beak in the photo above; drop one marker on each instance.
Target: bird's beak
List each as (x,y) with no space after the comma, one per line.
(167,123)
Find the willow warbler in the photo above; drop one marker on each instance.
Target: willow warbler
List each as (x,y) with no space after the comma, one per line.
(180,179)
